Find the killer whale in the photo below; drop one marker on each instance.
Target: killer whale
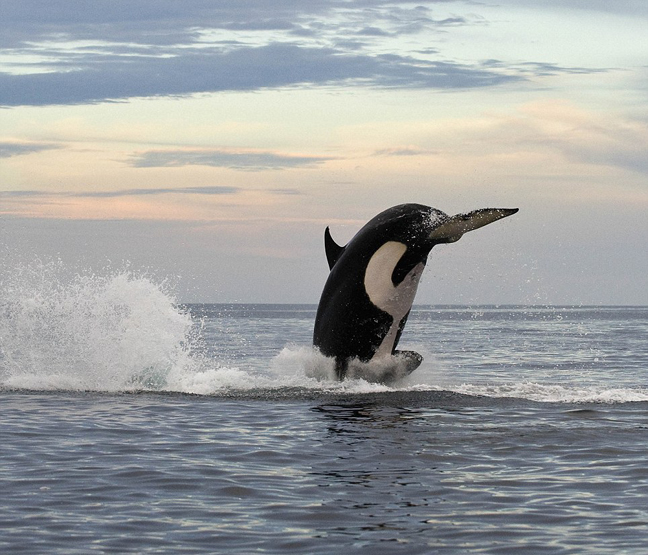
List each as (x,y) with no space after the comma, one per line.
(372,284)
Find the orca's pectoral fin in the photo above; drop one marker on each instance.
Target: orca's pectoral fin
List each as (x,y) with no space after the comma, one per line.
(341,367)
(411,360)
(453,228)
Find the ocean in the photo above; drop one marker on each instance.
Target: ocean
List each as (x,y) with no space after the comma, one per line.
(130,423)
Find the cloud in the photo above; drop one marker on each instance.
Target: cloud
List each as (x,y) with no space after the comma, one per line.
(99,78)
(581,136)
(222,158)
(66,53)
(21,194)
(60,53)
(213,190)
(632,8)
(10,148)
(208,190)
(540,69)
(616,144)
(167,22)
(578,136)
(405,151)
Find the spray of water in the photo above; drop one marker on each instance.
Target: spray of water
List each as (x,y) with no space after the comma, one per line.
(123,331)
(105,332)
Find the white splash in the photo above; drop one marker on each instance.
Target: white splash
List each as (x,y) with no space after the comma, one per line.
(88,332)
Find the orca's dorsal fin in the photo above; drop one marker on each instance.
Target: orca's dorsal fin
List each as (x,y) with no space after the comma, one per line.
(333,250)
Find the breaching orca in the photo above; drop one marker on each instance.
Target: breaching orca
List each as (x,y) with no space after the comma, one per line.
(370,290)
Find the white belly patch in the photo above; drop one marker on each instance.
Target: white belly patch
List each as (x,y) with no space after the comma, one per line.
(395,301)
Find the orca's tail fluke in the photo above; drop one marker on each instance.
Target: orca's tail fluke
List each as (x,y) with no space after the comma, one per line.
(453,228)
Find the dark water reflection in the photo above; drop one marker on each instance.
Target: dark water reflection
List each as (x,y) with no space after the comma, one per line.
(540,478)
(410,472)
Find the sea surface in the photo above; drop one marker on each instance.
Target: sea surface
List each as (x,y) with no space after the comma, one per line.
(130,423)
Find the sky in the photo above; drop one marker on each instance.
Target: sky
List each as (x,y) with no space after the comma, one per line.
(209,143)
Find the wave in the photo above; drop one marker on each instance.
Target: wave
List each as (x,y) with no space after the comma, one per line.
(556,393)
(123,331)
